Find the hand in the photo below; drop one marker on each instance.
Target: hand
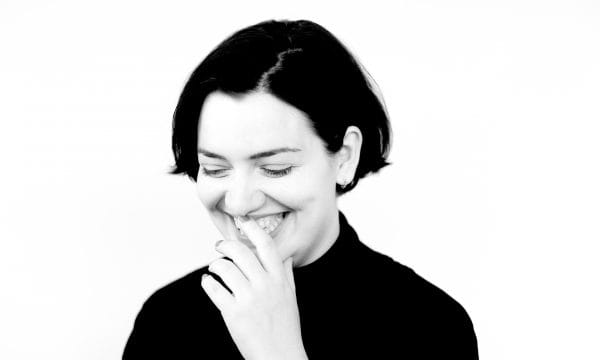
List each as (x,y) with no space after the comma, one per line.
(261,312)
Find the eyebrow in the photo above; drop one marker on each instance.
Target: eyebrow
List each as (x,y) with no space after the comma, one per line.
(259,155)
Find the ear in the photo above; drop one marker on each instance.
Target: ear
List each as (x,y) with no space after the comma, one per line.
(349,155)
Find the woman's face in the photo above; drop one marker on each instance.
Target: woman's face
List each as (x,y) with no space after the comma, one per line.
(259,157)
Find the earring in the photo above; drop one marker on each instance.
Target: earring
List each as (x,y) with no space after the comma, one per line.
(344,184)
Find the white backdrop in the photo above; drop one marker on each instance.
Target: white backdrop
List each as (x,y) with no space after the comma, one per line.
(493,193)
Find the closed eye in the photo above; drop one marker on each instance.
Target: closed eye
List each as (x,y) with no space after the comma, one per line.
(278,173)
(270,172)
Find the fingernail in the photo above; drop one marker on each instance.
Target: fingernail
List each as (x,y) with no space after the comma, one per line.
(218,243)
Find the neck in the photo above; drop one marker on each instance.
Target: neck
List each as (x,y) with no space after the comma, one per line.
(321,247)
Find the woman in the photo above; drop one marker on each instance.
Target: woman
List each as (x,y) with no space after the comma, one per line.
(276,123)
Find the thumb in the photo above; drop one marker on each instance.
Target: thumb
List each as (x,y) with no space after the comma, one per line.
(288,266)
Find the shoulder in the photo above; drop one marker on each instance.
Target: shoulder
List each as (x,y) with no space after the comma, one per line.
(403,283)
(183,291)
(407,286)
(173,317)
(428,311)
(179,304)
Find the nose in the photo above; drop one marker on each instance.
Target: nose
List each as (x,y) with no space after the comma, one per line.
(243,197)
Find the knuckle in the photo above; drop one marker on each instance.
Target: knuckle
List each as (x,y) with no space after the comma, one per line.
(266,286)
(220,265)
(222,245)
(229,246)
(232,245)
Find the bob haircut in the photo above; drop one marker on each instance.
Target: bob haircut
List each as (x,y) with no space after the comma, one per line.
(302,64)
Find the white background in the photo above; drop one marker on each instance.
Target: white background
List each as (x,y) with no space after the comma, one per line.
(493,193)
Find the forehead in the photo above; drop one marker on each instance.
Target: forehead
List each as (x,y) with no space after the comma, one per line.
(251,122)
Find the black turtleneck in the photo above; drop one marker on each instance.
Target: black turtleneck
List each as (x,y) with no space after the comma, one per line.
(354,303)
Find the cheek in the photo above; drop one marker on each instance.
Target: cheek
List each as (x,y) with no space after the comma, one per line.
(311,186)
(208,195)
(298,196)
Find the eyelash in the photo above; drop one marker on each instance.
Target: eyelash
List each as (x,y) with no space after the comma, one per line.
(273,173)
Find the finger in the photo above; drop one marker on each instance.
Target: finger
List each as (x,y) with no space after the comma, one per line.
(265,246)
(222,298)
(231,276)
(243,257)
(288,266)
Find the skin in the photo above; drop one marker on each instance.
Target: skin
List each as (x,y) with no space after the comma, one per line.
(261,312)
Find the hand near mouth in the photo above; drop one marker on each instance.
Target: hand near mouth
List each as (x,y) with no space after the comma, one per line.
(261,311)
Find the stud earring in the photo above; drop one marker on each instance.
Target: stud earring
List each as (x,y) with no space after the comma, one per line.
(344,184)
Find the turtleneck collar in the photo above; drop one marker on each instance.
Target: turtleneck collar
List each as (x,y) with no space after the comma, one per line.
(342,252)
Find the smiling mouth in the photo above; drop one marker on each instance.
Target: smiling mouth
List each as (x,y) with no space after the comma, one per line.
(268,223)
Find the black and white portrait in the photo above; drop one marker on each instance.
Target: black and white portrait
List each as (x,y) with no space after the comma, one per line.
(299,180)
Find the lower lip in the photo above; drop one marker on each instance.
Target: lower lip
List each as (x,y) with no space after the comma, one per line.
(273,234)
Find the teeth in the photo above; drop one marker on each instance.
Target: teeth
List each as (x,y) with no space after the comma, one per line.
(267,223)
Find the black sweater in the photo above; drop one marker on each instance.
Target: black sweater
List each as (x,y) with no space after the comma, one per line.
(354,303)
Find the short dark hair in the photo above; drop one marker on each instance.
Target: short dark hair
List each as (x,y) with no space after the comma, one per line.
(302,64)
